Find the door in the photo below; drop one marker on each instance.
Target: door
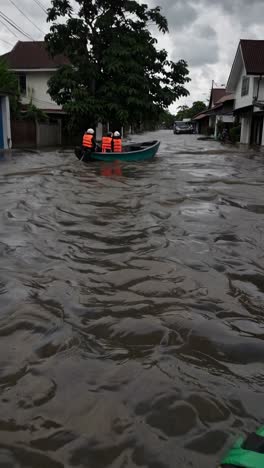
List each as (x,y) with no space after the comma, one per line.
(1,126)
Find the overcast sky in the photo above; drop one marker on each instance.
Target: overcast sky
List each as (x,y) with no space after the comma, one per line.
(203,32)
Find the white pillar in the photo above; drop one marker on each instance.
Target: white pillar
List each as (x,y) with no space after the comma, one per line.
(99,131)
(245,129)
(6,122)
(217,119)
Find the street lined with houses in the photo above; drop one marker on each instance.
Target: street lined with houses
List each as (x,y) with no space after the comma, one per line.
(131,239)
(241,103)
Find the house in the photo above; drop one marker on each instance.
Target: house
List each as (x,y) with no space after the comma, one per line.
(34,67)
(222,112)
(247,84)
(220,109)
(5,126)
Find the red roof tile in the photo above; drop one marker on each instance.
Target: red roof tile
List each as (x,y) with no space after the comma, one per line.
(200,116)
(30,55)
(226,97)
(253,55)
(216,94)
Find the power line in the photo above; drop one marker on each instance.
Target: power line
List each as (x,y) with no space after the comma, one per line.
(41,6)
(6,42)
(15,26)
(24,14)
(9,29)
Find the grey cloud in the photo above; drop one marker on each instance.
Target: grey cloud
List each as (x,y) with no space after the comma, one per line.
(199,51)
(181,15)
(232,6)
(205,31)
(247,13)
(200,55)
(178,13)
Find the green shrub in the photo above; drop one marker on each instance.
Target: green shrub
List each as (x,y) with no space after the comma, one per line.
(234,134)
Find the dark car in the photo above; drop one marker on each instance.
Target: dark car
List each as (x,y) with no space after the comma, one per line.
(182,127)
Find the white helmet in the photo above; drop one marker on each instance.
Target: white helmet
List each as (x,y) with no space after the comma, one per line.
(117,134)
(90,131)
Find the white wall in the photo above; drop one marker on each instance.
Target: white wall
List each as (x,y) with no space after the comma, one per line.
(243,101)
(37,89)
(228,118)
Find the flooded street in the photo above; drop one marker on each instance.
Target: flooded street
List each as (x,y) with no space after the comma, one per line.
(131,325)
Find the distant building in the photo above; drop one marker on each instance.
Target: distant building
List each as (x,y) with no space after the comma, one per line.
(220,109)
(34,67)
(5,126)
(247,84)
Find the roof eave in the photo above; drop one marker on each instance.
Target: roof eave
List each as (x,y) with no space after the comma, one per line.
(24,70)
(255,73)
(229,87)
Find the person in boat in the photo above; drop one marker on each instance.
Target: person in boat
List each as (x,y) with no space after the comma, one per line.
(89,143)
(117,143)
(107,142)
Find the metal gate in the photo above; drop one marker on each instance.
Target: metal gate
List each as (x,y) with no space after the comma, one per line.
(49,134)
(23,133)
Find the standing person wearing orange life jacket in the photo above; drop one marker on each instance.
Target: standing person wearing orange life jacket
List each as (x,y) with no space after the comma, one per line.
(89,142)
(117,143)
(107,143)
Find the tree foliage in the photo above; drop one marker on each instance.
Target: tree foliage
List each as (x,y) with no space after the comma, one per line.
(117,72)
(9,85)
(186,112)
(166,119)
(34,113)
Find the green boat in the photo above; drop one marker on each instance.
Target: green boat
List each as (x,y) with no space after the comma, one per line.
(132,152)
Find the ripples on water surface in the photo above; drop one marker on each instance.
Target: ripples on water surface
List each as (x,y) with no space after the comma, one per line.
(131,326)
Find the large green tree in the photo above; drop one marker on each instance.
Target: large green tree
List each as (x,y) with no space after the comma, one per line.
(197,107)
(186,112)
(117,72)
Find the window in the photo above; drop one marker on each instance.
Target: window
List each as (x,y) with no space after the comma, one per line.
(245,86)
(22,80)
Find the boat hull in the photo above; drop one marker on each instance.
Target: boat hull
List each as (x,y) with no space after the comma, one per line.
(145,151)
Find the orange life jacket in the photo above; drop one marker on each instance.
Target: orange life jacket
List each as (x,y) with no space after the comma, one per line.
(88,140)
(117,145)
(106,144)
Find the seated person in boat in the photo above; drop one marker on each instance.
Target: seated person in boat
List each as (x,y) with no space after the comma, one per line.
(107,142)
(89,142)
(117,143)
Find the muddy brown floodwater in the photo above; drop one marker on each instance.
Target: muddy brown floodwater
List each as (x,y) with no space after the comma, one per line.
(131,307)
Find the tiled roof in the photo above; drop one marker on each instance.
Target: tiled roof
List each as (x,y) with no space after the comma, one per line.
(32,55)
(253,55)
(226,97)
(217,94)
(200,116)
